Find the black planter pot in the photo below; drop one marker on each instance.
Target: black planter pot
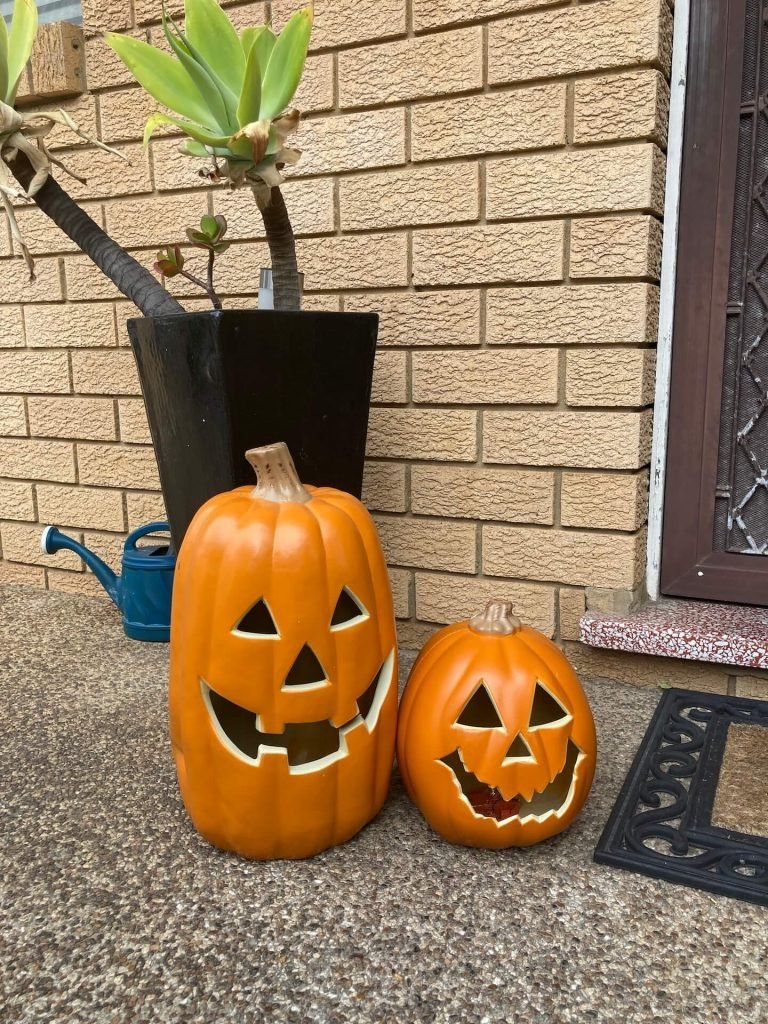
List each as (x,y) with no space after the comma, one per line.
(218,383)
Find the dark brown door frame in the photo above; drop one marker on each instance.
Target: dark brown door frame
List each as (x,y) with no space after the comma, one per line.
(689,565)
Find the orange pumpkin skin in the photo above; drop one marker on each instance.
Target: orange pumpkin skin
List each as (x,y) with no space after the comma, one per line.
(492,801)
(297,556)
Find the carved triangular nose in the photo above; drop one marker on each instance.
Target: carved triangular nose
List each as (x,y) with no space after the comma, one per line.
(306,670)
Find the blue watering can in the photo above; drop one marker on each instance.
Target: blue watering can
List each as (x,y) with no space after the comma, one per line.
(143,591)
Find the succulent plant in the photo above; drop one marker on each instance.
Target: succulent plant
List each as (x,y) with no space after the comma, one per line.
(209,237)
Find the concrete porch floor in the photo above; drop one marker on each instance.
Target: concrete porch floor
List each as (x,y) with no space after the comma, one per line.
(113,911)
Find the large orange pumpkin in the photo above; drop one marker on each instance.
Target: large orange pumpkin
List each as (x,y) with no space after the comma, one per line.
(283,694)
(496,742)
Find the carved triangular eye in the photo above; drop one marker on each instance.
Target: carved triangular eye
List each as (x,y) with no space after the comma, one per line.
(517,749)
(348,610)
(258,621)
(480,711)
(546,710)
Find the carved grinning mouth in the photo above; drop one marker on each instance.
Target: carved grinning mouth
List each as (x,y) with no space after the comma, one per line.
(487,802)
(306,746)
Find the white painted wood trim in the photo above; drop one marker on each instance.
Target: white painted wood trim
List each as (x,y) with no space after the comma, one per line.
(667,297)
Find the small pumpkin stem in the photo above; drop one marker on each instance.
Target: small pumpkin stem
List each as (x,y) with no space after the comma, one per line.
(276,476)
(497,618)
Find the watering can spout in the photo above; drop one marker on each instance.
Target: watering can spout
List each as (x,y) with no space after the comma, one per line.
(54,540)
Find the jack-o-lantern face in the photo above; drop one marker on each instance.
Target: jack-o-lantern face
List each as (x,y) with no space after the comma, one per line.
(496,742)
(283,667)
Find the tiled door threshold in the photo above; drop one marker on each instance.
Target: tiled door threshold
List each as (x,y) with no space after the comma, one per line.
(728,634)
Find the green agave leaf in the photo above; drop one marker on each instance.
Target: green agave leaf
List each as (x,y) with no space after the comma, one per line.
(210,32)
(286,64)
(265,44)
(3,61)
(163,77)
(195,131)
(190,148)
(20,41)
(200,74)
(250,95)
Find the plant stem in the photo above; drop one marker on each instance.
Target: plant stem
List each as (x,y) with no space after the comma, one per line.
(207,288)
(282,248)
(127,274)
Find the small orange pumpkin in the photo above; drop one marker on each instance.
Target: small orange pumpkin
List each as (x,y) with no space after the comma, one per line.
(496,742)
(283,692)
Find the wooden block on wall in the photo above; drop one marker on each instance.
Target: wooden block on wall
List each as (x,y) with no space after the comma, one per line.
(57,65)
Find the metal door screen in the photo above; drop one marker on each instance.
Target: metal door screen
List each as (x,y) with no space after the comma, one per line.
(741,503)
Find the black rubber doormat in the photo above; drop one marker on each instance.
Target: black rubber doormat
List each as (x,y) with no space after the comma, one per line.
(662,824)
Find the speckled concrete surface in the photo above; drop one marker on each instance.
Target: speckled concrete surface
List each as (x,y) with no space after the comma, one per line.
(114,912)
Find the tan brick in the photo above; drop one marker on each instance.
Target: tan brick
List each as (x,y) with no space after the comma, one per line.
(411,68)
(581,559)
(162,222)
(422,318)
(513,377)
(43,236)
(85,281)
(572,604)
(435,13)
(412,636)
(144,508)
(320,303)
(356,261)
(108,546)
(124,114)
(512,496)
(16,500)
(26,372)
(606,440)
(31,575)
(103,67)
(576,181)
(173,170)
(433,195)
(37,460)
(11,327)
(108,175)
(615,376)
(384,487)
(340,22)
(604,314)
(499,122)
(634,105)
(310,206)
(81,507)
(82,418)
(429,543)
(65,582)
(496,253)
(423,434)
(754,686)
(103,372)
(134,427)
(615,602)
(111,465)
(590,37)
(604,501)
(616,247)
(315,90)
(82,110)
(21,543)
(400,581)
(15,285)
(106,16)
(390,380)
(350,142)
(645,670)
(13,421)
(70,326)
(455,598)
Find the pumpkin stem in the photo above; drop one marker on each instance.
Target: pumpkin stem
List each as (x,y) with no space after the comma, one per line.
(497,618)
(276,476)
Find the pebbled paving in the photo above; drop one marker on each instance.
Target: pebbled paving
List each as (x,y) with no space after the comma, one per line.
(113,911)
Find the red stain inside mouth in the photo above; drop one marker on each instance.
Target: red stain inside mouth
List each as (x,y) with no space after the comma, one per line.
(491,804)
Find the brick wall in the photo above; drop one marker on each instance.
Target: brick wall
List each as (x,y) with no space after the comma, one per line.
(488,175)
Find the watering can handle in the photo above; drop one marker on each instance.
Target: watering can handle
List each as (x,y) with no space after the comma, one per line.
(145,531)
